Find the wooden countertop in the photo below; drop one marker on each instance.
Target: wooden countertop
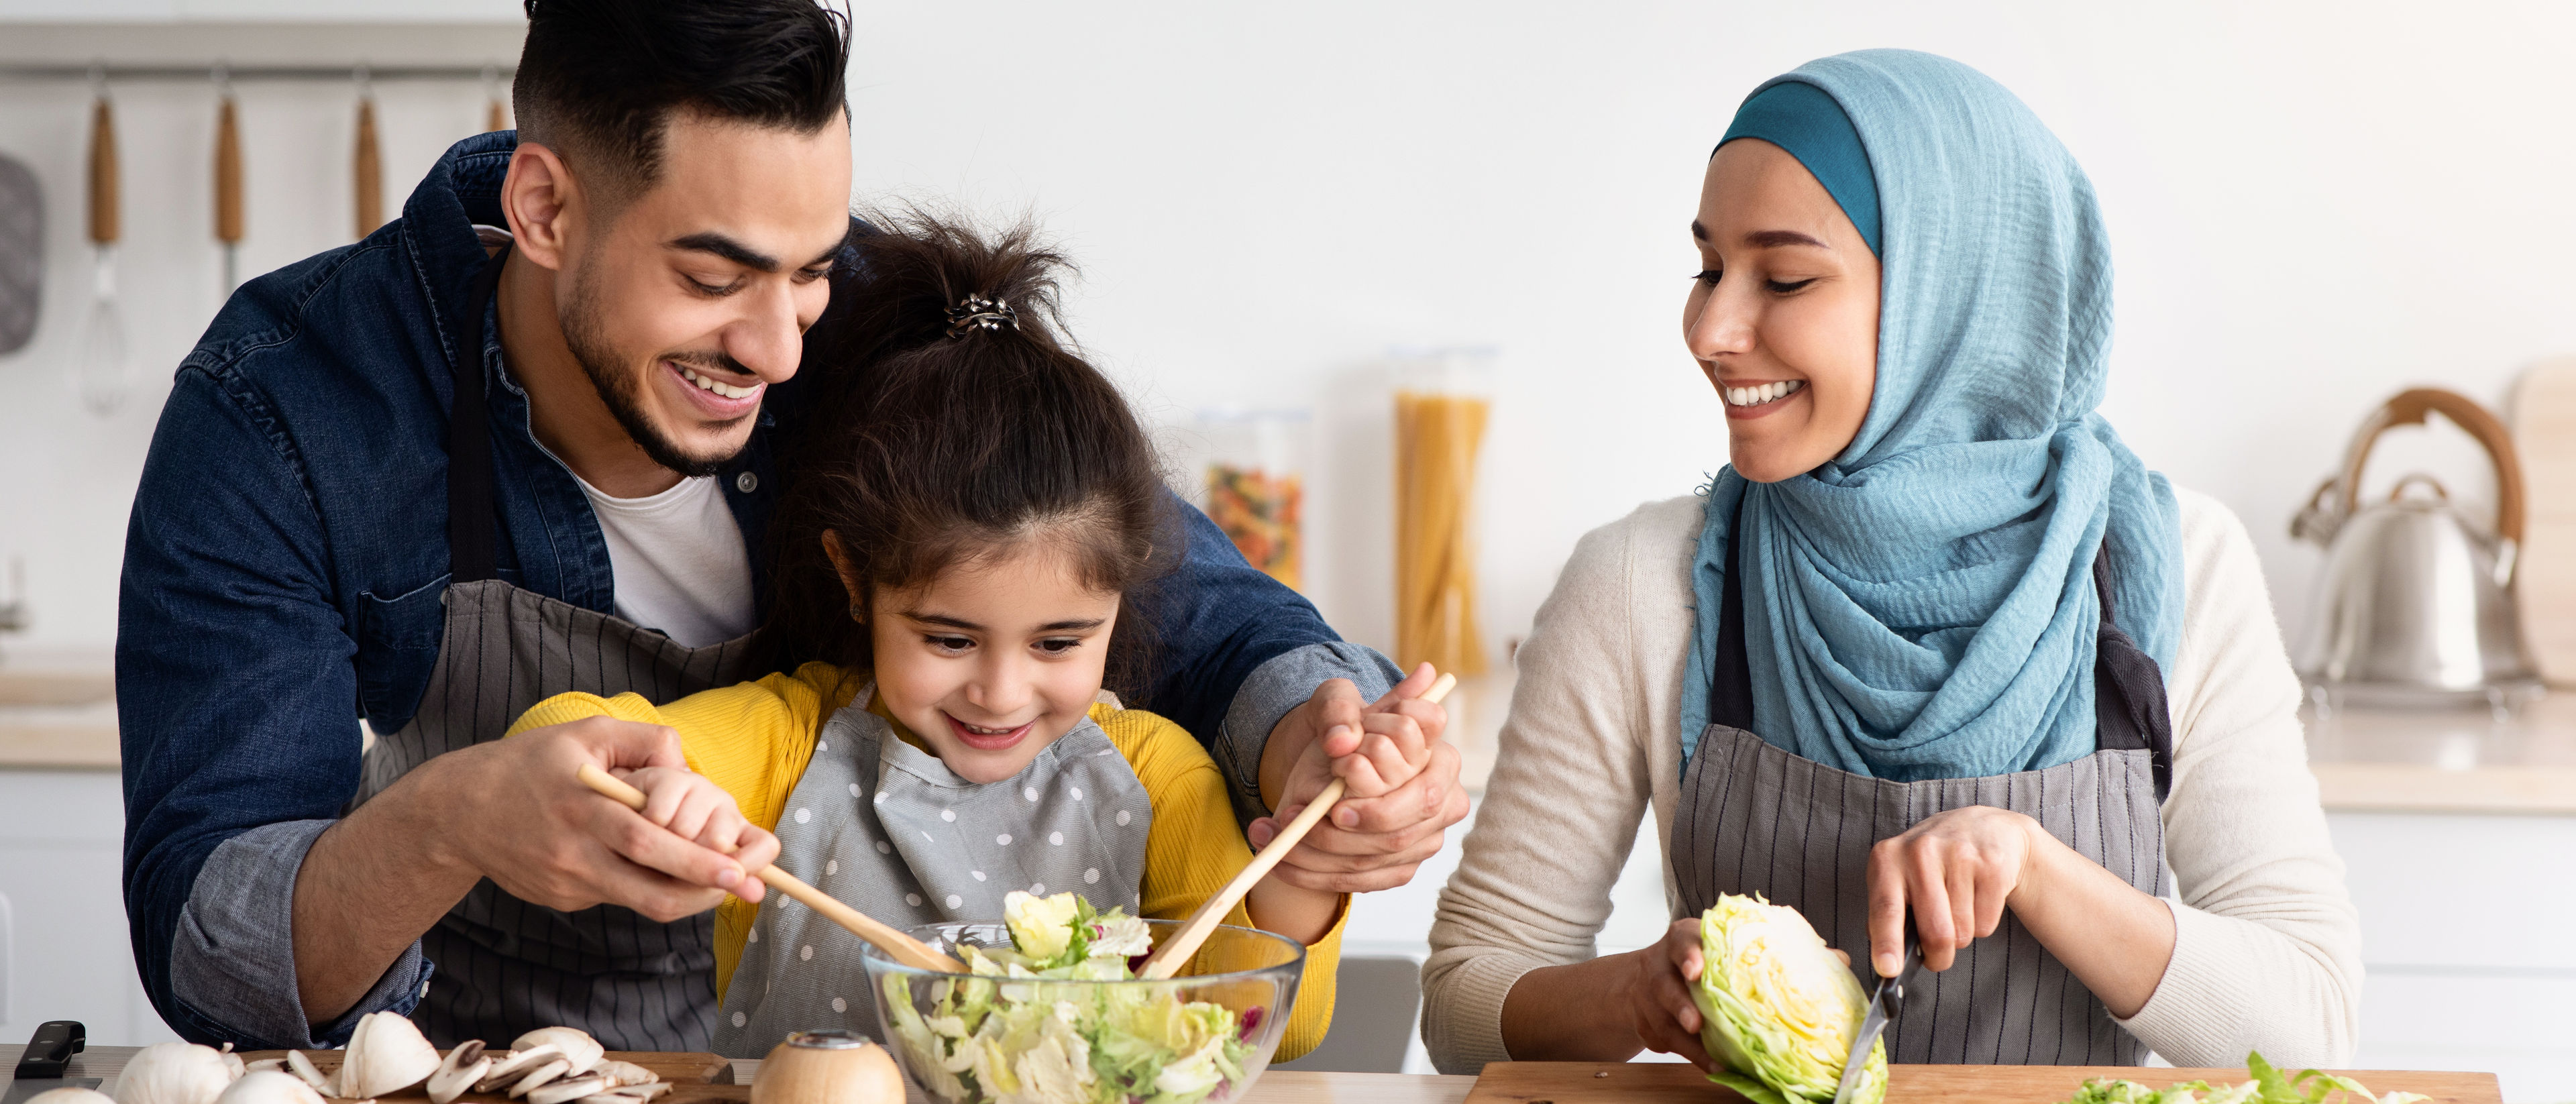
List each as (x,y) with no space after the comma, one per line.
(1575,1083)
(2447,761)
(57,716)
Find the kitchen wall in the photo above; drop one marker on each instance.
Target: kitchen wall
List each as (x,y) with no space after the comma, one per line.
(2312,205)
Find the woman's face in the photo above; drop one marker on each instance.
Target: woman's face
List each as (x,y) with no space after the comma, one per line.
(1783,317)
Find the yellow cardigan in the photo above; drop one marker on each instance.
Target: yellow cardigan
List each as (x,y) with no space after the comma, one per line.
(754,739)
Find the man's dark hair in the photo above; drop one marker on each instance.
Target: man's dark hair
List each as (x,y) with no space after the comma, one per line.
(598,78)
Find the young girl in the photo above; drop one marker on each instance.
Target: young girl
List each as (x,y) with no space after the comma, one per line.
(961,562)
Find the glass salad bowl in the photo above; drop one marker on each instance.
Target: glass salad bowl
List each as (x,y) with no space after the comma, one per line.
(1106,1038)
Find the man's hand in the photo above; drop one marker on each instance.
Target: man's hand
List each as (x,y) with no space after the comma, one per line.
(511,810)
(545,838)
(1402,783)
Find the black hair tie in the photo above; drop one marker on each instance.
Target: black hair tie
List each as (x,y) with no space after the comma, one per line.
(976,312)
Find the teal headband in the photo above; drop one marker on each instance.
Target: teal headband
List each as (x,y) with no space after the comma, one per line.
(1804,120)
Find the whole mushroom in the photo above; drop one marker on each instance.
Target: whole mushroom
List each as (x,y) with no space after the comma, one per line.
(269,1087)
(176,1073)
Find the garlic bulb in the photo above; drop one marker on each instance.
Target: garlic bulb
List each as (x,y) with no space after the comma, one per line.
(71,1096)
(175,1073)
(576,1044)
(386,1055)
(269,1087)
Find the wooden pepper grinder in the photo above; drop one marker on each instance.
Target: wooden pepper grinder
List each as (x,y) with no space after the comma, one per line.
(827,1067)
(369,170)
(228,182)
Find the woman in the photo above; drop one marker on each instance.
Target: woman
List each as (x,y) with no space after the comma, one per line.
(1935,641)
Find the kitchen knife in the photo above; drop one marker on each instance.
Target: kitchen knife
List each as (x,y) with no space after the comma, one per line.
(1885,1002)
(40,1068)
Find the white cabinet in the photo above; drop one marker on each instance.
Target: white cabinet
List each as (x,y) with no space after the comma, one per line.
(66,956)
(2464,925)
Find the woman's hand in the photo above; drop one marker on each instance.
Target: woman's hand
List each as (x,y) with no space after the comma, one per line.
(1957,870)
(1659,993)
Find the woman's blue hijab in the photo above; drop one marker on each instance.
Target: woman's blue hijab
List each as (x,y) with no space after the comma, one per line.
(1923,605)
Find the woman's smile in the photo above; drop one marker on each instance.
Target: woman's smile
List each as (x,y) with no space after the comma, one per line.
(1748,400)
(986,739)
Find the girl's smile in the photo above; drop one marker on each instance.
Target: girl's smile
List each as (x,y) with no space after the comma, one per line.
(987,739)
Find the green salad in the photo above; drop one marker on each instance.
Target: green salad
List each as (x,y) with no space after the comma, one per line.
(2269,1086)
(1018,1040)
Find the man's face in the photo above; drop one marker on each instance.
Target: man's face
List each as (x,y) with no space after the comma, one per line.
(693,298)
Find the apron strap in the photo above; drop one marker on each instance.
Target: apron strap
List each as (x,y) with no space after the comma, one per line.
(2129,709)
(469,444)
(1730,694)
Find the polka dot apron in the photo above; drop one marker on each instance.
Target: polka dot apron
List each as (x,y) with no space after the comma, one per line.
(888,829)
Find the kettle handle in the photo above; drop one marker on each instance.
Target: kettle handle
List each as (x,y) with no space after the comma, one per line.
(2408,408)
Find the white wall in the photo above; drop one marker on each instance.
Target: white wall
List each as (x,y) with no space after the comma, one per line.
(2312,205)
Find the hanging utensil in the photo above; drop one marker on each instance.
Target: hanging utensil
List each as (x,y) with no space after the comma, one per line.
(369,169)
(495,115)
(103,364)
(2415,606)
(22,254)
(228,180)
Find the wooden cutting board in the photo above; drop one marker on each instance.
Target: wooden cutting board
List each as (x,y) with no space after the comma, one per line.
(2544,432)
(692,1075)
(1676,1083)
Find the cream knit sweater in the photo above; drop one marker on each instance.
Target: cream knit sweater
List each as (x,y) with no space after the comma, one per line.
(2267,953)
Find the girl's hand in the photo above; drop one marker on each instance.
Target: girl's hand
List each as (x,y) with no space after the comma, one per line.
(1957,870)
(1658,996)
(701,811)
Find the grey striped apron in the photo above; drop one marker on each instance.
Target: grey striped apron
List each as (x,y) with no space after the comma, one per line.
(505,966)
(1754,818)
(890,830)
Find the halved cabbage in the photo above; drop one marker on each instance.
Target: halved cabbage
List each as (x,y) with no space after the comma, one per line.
(1778,1009)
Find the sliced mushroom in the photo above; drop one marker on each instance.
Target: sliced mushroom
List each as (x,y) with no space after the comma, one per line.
(539,1076)
(267,1065)
(387,1054)
(621,1074)
(568,1090)
(302,1067)
(519,1062)
(464,1066)
(578,1047)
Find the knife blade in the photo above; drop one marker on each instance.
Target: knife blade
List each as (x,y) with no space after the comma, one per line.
(1886,1000)
(41,1067)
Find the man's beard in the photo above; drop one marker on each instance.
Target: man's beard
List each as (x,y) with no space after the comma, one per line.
(619,388)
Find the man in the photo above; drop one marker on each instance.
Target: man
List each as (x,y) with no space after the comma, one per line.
(454,468)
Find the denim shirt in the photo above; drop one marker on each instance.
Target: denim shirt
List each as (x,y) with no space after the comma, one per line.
(284,564)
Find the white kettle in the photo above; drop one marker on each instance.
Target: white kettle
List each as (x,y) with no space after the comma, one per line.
(2414,607)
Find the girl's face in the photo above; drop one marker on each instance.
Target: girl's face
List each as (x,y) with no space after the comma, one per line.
(1783,317)
(994,659)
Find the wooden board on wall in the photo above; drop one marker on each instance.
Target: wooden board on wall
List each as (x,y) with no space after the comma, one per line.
(2544,432)
(1675,1083)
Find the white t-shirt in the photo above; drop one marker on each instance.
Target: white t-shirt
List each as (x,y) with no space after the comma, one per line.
(678,561)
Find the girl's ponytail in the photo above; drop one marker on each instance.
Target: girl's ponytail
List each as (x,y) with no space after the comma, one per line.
(948,421)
